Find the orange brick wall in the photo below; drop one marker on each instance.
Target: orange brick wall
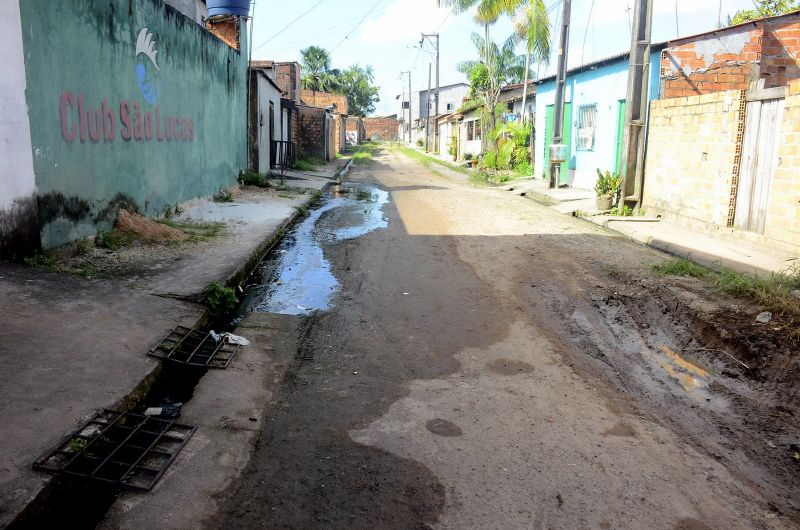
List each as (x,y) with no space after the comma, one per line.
(383,128)
(323,100)
(730,59)
(783,215)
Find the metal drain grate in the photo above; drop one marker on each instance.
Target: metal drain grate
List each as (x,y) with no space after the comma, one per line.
(119,447)
(189,346)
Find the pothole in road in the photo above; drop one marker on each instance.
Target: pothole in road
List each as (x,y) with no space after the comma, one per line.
(297,279)
(442,427)
(510,367)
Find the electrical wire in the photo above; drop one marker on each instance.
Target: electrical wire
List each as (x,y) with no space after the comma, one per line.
(290,24)
(373,8)
(585,33)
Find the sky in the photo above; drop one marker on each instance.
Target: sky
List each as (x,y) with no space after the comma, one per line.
(386,33)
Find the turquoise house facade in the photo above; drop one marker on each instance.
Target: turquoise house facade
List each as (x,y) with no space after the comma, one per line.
(594,116)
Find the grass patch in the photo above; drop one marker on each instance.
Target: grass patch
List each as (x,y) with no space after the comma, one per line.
(680,267)
(45,260)
(304,165)
(196,230)
(307,163)
(114,239)
(775,292)
(427,160)
(248,177)
(361,194)
(362,157)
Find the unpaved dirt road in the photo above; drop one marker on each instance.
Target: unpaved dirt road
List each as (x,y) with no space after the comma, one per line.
(488,364)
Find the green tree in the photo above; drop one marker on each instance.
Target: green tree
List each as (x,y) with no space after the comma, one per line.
(317,72)
(764,8)
(356,84)
(532,25)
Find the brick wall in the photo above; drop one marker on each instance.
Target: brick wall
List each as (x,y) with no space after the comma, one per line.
(381,128)
(226,30)
(783,215)
(692,162)
(323,100)
(730,59)
(310,131)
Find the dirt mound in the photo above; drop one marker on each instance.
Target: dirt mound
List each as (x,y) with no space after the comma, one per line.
(144,228)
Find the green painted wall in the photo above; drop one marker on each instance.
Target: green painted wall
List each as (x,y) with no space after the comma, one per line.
(82,54)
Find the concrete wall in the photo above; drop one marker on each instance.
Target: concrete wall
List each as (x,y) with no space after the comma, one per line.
(382,128)
(783,215)
(691,150)
(604,87)
(111,124)
(194,9)
(18,228)
(729,59)
(263,93)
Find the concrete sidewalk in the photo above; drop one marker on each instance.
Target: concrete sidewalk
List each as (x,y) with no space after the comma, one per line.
(724,248)
(72,345)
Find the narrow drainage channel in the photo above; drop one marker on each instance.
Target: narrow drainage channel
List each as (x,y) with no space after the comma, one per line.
(294,278)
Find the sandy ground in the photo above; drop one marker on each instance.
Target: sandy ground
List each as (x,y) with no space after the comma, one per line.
(490,365)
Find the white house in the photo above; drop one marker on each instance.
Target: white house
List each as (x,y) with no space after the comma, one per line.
(413,111)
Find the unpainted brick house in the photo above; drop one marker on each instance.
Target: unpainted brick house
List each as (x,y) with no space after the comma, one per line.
(723,147)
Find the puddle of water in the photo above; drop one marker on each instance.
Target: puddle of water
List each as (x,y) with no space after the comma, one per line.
(299,280)
(689,375)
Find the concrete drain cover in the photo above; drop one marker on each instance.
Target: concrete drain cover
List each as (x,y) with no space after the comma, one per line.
(123,448)
(197,348)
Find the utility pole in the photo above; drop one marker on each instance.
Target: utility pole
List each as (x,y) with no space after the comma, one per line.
(636,103)
(428,112)
(402,110)
(557,148)
(436,93)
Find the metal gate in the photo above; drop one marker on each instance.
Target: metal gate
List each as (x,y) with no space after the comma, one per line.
(759,160)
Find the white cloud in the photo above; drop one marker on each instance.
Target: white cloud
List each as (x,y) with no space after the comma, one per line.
(403,21)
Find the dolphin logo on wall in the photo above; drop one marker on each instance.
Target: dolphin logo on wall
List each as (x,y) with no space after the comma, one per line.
(146,46)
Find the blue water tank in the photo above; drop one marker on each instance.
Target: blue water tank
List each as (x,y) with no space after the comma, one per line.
(240,8)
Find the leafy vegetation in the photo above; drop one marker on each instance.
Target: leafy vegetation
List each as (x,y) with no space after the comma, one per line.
(355,83)
(427,160)
(608,184)
(114,239)
(762,9)
(219,298)
(680,267)
(248,177)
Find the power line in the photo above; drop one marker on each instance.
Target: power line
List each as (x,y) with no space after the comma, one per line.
(585,33)
(373,8)
(314,36)
(290,24)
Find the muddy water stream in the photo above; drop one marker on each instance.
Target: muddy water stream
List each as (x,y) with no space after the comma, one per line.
(296,278)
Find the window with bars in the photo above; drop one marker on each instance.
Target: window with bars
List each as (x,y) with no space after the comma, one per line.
(586,127)
(474,130)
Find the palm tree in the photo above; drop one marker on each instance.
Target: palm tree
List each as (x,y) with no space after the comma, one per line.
(531,21)
(318,75)
(533,25)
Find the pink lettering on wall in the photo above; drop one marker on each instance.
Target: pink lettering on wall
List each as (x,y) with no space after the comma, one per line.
(100,123)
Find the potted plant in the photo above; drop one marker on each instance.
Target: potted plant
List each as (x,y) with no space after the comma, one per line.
(606,188)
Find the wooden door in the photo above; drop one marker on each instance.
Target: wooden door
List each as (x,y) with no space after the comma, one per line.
(759,160)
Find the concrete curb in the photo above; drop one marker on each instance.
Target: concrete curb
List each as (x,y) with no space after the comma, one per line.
(135,396)
(705,259)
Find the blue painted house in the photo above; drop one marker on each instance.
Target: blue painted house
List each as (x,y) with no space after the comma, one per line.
(594,115)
